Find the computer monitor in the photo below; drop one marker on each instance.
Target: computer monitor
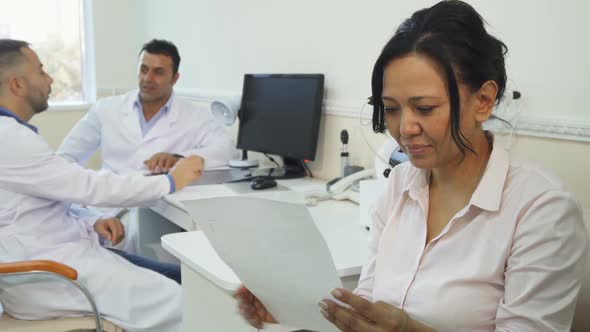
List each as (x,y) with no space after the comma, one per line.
(280,115)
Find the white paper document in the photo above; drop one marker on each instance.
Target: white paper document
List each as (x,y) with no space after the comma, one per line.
(277,252)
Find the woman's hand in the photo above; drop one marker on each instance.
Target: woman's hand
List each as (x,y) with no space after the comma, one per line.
(366,316)
(252,309)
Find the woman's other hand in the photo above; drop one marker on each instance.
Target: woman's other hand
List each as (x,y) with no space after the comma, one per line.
(366,316)
(252,309)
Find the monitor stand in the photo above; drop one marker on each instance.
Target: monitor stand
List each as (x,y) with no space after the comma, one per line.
(244,162)
(292,169)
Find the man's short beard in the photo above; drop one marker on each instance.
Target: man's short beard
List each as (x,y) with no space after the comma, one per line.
(41,109)
(150,99)
(38,106)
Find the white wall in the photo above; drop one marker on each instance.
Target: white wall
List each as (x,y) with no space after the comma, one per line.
(118,36)
(221,40)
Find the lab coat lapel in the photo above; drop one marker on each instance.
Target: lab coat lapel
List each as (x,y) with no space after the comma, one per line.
(130,121)
(162,126)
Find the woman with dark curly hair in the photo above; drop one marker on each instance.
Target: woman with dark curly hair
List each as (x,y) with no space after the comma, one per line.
(464,238)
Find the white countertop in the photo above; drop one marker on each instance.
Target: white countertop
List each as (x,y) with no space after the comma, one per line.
(338,222)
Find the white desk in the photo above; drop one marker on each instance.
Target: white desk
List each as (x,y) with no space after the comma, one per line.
(168,216)
(208,283)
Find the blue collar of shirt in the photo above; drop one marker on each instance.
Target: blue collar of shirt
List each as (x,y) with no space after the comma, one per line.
(5,112)
(165,108)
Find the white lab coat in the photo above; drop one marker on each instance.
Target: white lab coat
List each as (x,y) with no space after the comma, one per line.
(113,125)
(36,189)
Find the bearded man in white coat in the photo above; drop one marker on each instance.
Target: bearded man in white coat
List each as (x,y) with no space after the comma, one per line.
(148,129)
(36,190)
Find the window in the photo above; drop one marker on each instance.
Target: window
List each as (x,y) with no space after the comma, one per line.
(60,32)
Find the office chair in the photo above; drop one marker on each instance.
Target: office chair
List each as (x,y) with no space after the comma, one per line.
(34,271)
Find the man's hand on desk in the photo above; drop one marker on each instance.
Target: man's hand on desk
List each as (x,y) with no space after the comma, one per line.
(110,229)
(161,162)
(187,170)
(252,309)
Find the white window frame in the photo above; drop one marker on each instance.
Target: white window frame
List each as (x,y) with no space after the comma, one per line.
(87,57)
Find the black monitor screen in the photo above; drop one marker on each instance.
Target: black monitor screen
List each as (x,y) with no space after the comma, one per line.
(280,114)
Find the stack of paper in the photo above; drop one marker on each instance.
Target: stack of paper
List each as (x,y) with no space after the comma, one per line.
(277,252)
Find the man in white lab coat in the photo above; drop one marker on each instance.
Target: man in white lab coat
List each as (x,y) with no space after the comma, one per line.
(36,190)
(148,129)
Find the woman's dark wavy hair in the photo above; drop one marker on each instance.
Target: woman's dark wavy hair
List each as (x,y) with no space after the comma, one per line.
(451,33)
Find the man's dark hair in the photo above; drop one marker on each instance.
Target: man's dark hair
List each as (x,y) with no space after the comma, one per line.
(164,47)
(10,54)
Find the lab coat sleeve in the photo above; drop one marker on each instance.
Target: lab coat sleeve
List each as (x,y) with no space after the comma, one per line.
(31,168)
(84,139)
(212,144)
(546,265)
(87,215)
